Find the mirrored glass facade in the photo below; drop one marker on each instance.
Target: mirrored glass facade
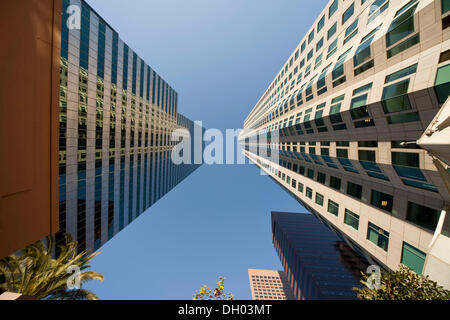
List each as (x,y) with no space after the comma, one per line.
(116,119)
(318,264)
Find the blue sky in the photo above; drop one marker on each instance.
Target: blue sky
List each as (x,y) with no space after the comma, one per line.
(220,56)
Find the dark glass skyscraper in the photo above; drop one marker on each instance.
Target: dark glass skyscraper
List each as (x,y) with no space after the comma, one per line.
(116,119)
(318,264)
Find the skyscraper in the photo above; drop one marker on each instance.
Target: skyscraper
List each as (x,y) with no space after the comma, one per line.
(269,285)
(116,119)
(349,105)
(317,263)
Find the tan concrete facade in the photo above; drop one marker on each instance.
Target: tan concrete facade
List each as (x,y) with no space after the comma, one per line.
(343,114)
(269,285)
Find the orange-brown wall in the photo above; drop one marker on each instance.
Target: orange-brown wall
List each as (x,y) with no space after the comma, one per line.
(30,32)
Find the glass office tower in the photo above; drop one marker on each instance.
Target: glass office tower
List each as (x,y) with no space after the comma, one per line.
(116,119)
(317,263)
(349,105)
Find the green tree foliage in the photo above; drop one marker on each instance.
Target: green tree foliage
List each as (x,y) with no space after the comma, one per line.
(35,273)
(402,284)
(206,293)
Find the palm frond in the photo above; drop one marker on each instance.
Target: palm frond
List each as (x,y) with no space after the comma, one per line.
(35,272)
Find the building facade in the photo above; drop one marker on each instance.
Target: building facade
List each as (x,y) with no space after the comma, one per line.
(348,106)
(269,285)
(318,264)
(116,119)
(29,107)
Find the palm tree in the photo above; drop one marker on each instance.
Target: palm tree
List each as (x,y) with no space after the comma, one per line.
(35,273)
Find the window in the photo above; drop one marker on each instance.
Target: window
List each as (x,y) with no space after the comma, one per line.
(407,165)
(333,8)
(310,54)
(332,48)
(445,6)
(303,47)
(401,74)
(354,190)
(333,207)
(348,13)
(402,46)
(343,144)
(407,159)
(422,216)
(420,185)
(413,258)
(403,118)
(351,31)
(320,24)
(311,37)
(342,153)
(364,67)
(318,62)
(367,144)
(300,187)
(302,170)
(338,69)
(351,219)
(382,200)
(321,81)
(309,192)
(335,116)
(367,161)
(401,27)
(332,31)
(378,236)
(321,177)
(378,12)
(395,97)
(310,173)
(319,44)
(366,155)
(335,183)
(358,108)
(363,53)
(319,199)
(442,83)
(404,8)
(375,5)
